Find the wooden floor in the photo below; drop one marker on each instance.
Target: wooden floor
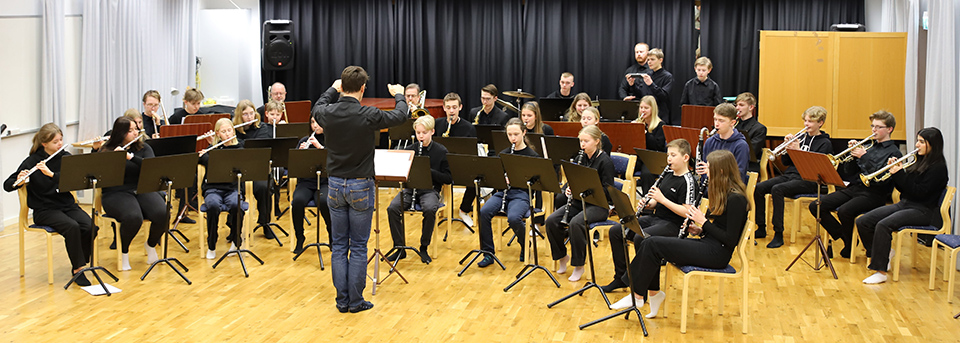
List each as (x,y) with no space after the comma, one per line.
(289,301)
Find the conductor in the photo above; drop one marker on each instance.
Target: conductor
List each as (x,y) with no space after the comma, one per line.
(351,134)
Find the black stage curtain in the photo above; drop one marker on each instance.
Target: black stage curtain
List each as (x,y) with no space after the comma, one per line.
(730,33)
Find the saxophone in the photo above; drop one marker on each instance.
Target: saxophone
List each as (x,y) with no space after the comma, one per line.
(476,120)
(449,125)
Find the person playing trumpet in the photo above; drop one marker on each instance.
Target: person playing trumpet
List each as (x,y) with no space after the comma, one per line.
(790,183)
(919,184)
(858,198)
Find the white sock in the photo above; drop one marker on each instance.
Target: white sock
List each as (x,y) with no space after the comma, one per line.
(125,259)
(562,264)
(232,247)
(211,254)
(875,279)
(626,302)
(151,253)
(576,274)
(655,301)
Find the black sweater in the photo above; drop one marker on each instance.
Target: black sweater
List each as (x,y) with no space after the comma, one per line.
(727,227)
(820,143)
(923,188)
(131,173)
(179,113)
(439,167)
(656,140)
(460,129)
(263,130)
(42,193)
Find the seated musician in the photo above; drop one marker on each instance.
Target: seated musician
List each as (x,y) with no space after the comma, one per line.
(191,105)
(245,112)
(858,198)
(593,157)
(727,138)
(580,102)
(919,184)
(566,87)
(591,116)
(719,235)
(488,113)
(670,201)
(52,208)
(216,195)
(151,104)
(454,126)
(278,94)
(790,183)
(428,199)
(273,115)
(649,115)
(411,93)
(306,189)
(532,121)
(745,104)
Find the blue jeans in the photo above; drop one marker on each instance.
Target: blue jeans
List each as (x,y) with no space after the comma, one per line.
(351,203)
(518,204)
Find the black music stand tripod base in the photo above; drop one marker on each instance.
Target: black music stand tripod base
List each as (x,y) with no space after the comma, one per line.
(166,246)
(530,268)
(310,163)
(478,253)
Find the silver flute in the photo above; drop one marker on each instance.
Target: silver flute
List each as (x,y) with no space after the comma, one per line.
(37,167)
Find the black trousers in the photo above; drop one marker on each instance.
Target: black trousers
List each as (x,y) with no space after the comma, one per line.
(130,210)
(469,196)
(645,268)
(877,226)
(261,192)
(779,188)
(429,201)
(558,233)
(849,203)
(653,226)
(74,225)
(301,197)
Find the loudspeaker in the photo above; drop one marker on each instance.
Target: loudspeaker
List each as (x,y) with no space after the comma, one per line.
(277,39)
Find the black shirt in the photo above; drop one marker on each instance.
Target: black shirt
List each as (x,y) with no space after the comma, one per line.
(602,162)
(226,186)
(354,131)
(149,127)
(262,130)
(439,167)
(875,158)
(678,189)
(42,192)
(460,129)
(656,140)
(311,183)
(819,143)
(526,151)
(703,93)
(605,144)
(625,90)
(547,130)
(179,113)
(923,188)
(131,173)
(495,117)
(556,95)
(727,227)
(661,87)
(758,136)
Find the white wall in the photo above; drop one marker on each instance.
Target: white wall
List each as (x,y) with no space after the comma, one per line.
(229,46)
(872,15)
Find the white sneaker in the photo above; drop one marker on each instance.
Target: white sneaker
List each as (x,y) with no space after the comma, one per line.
(232,246)
(466,218)
(626,302)
(655,301)
(211,254)
(151,253)
(875,279)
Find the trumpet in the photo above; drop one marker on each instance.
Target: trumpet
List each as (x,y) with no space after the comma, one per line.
(36,167)
(782,148)
(417,110)
(204,151)
(882,174)
(211,133)
(845,156)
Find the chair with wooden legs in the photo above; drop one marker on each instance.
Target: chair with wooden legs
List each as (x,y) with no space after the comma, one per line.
(25,226)
(245,227)
(946,199)
(951,246)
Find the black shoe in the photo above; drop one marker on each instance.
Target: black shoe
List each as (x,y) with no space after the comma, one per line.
(187,220)
(486,262)
(298,250)
(522,254)
(424,256)
(81,280)
(776,242)
(397,255)
(614,285)
(845,252)
(760,233)
(365,305)
(830,251)
(113,245)
(267,232)
(343,309)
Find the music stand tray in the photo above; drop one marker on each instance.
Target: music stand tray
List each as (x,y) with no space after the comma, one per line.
(485,133)
(816,167)
(279,152)
(458,145)
(654,160)
(476,172)
(619,110)
(86,171)
(164,174)
(238,166)
(308,164)
(552,109)
(293,130)
(167,146)
(560,148)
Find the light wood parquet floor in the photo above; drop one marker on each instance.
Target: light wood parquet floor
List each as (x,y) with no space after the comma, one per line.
(289,301)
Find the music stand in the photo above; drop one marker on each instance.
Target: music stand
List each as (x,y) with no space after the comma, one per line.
(420,178)
(816,167)
(238,165)
(552,109)
(279,151)
(293,130)
(485,133)
(619,110)
(402,133)
(532,173)
(389,165)
(477,171)
(458,145)
(627,222)
(560,148)
(585,186)
(92,171)
(176,145)
(163,174)
(306,164)
(654,160)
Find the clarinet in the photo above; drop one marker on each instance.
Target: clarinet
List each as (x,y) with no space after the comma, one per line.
(656,184)
(702,185)
(503,202)
(566,211)
(413,195)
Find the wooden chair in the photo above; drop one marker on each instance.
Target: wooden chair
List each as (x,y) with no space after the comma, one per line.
(951,246)
(946,199)
(25,226)
(245,228)
(855,244)
(752,178)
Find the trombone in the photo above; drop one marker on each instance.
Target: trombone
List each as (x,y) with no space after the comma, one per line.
(782,148)
(845,156)
(882,174)
(418,110)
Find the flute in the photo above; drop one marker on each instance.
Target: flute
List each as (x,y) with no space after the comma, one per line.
(125,146)
(210,134)
(204,151)
(37,167)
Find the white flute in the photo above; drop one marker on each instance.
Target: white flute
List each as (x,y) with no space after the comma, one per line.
(210,134)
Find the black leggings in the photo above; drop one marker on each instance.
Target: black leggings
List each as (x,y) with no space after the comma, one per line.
(645,268)
(74,225)
(261,192)
(301,196)
(130,210)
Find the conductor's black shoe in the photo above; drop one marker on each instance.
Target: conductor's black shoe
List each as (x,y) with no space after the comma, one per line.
(397,255)
(81,280)
(365,305)
(424,256)
(486,262)
(267,232)
(614,285)
(342,308)
(776,242)
(187,220)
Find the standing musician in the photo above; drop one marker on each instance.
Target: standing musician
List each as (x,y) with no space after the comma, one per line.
(919,183)
(858,198)
(597,159)
(454,126)
(351,130)
(51,207)
(488,113)
(278,94)
(745,104)
(660,82)
(719,235)
(123,203)
(261,189)
(151,103)
(580,102)
(670,202)
(517,199)
(591,117)
(626,90)
(532,120)
(306,189)
(790,183)
(191,105)
(727,138)
(429,199)
(566,87)
(221,195)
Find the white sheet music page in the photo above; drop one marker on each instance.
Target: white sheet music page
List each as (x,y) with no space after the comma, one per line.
(392,165)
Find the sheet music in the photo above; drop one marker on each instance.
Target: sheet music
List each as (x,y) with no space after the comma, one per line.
(392,165)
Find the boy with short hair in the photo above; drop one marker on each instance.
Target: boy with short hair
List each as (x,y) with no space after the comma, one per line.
(726,138)
(751,127)
(456,126)
(701,90)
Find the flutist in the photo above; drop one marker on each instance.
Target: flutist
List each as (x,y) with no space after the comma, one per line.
(790,183)
(218,196)
(858,198)
(428,199)
(670,197)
